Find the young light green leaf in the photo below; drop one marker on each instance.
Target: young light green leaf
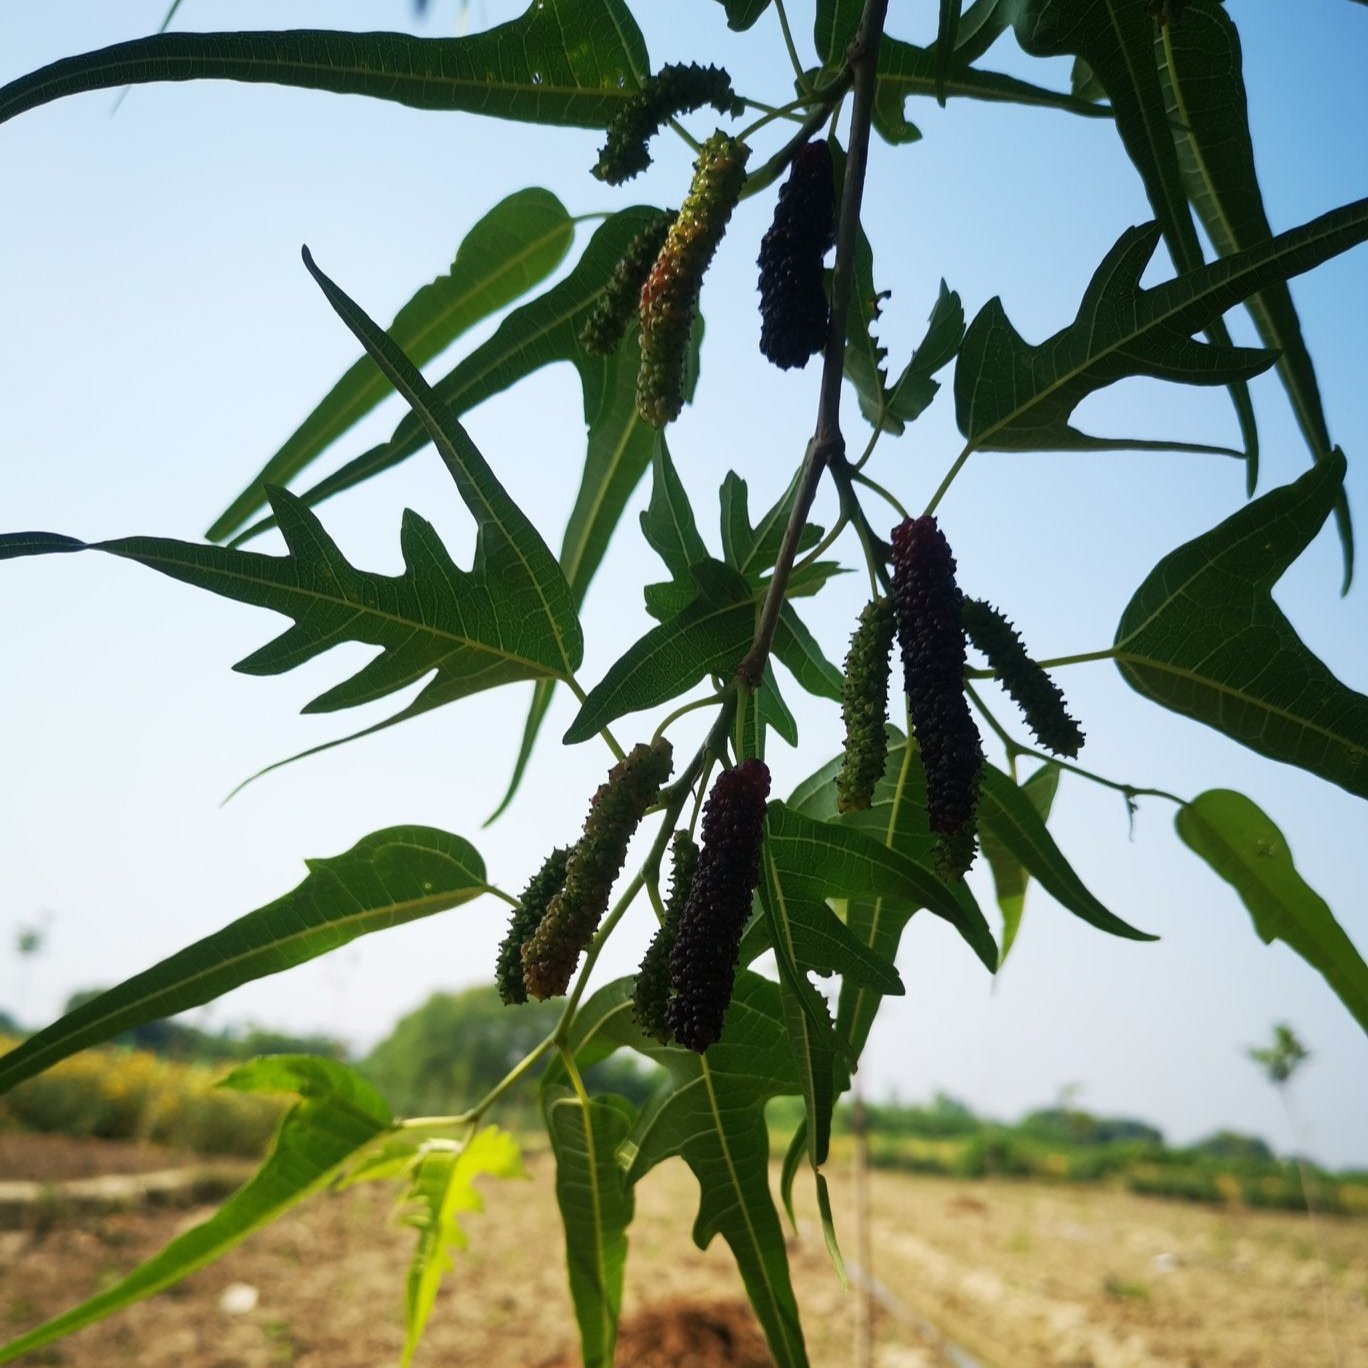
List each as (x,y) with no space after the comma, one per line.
(441,1191)
(1006,811)
(386,879)
(710,1111)
(513,247)
(338,1114)
(1203,636)
(1010,878)
(596,1206)
(1014,396)
(788,1171)
(569,62)
(753,550)
(1242,844)
(1114,38)
(797,650)
(1200,72)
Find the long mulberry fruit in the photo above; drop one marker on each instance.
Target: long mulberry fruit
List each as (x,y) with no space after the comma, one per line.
(793,301)
(549,955)
(1034,692)
(671,289)
(674,89)
(651,990)
(545,884)
(864,707)
(618,304)
(703,958)
(928,604)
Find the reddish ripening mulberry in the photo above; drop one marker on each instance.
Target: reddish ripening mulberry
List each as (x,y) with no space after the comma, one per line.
(864,707)
(671,290)
(551,952)
(703,958)
(617,305)
(674,89)
(651,990)
(1034,692)
(793,301)
(545,884)
(928,604)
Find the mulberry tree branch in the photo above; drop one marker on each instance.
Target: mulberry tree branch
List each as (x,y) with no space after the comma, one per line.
(827,446)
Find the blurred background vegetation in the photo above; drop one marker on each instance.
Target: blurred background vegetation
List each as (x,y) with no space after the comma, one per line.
(157,1085)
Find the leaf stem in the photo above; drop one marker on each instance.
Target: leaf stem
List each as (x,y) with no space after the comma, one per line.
(1015,748)
(1107,653)
(766,175)
(860,478)
(771,113)
(683,709)
(499,893)
(472,1115)
(948,480)
(801,76)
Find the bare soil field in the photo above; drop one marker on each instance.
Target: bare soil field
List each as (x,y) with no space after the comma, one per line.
(1019,1275)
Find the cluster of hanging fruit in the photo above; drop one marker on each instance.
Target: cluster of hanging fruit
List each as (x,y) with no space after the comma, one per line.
(657,282)
(933,621)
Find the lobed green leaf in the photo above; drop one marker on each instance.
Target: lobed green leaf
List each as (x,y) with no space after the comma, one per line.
(386,879)
(1203,636)
(338,1114)
(1242,845)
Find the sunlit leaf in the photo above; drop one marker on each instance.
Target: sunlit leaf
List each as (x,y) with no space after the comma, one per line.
(386,879)
(1203,636)
(596,1206)
(441,1191)
(1242,844)
(338,1113)
(563,62)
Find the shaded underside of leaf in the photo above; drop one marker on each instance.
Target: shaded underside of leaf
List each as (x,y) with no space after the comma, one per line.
(562,62)
(1203,636)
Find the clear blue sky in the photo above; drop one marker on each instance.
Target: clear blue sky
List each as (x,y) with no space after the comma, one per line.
(161,339)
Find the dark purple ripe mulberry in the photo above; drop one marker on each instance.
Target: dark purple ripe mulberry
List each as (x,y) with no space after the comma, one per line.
(651,990)
(674,89)
(864,706)
(671,290)
(1034,692)
(550,954)
(703,958)
(621,297)
(928,604)
(793,301)
(545,884)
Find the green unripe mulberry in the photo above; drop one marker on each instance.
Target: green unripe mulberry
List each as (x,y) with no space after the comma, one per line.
(545,884)
(864,707)
(651,990)
(674,89)
(621,297)
(671,290)
(1032,690)
(550,954)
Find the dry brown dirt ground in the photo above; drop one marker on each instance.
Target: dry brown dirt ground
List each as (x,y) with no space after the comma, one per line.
(1020,1275)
